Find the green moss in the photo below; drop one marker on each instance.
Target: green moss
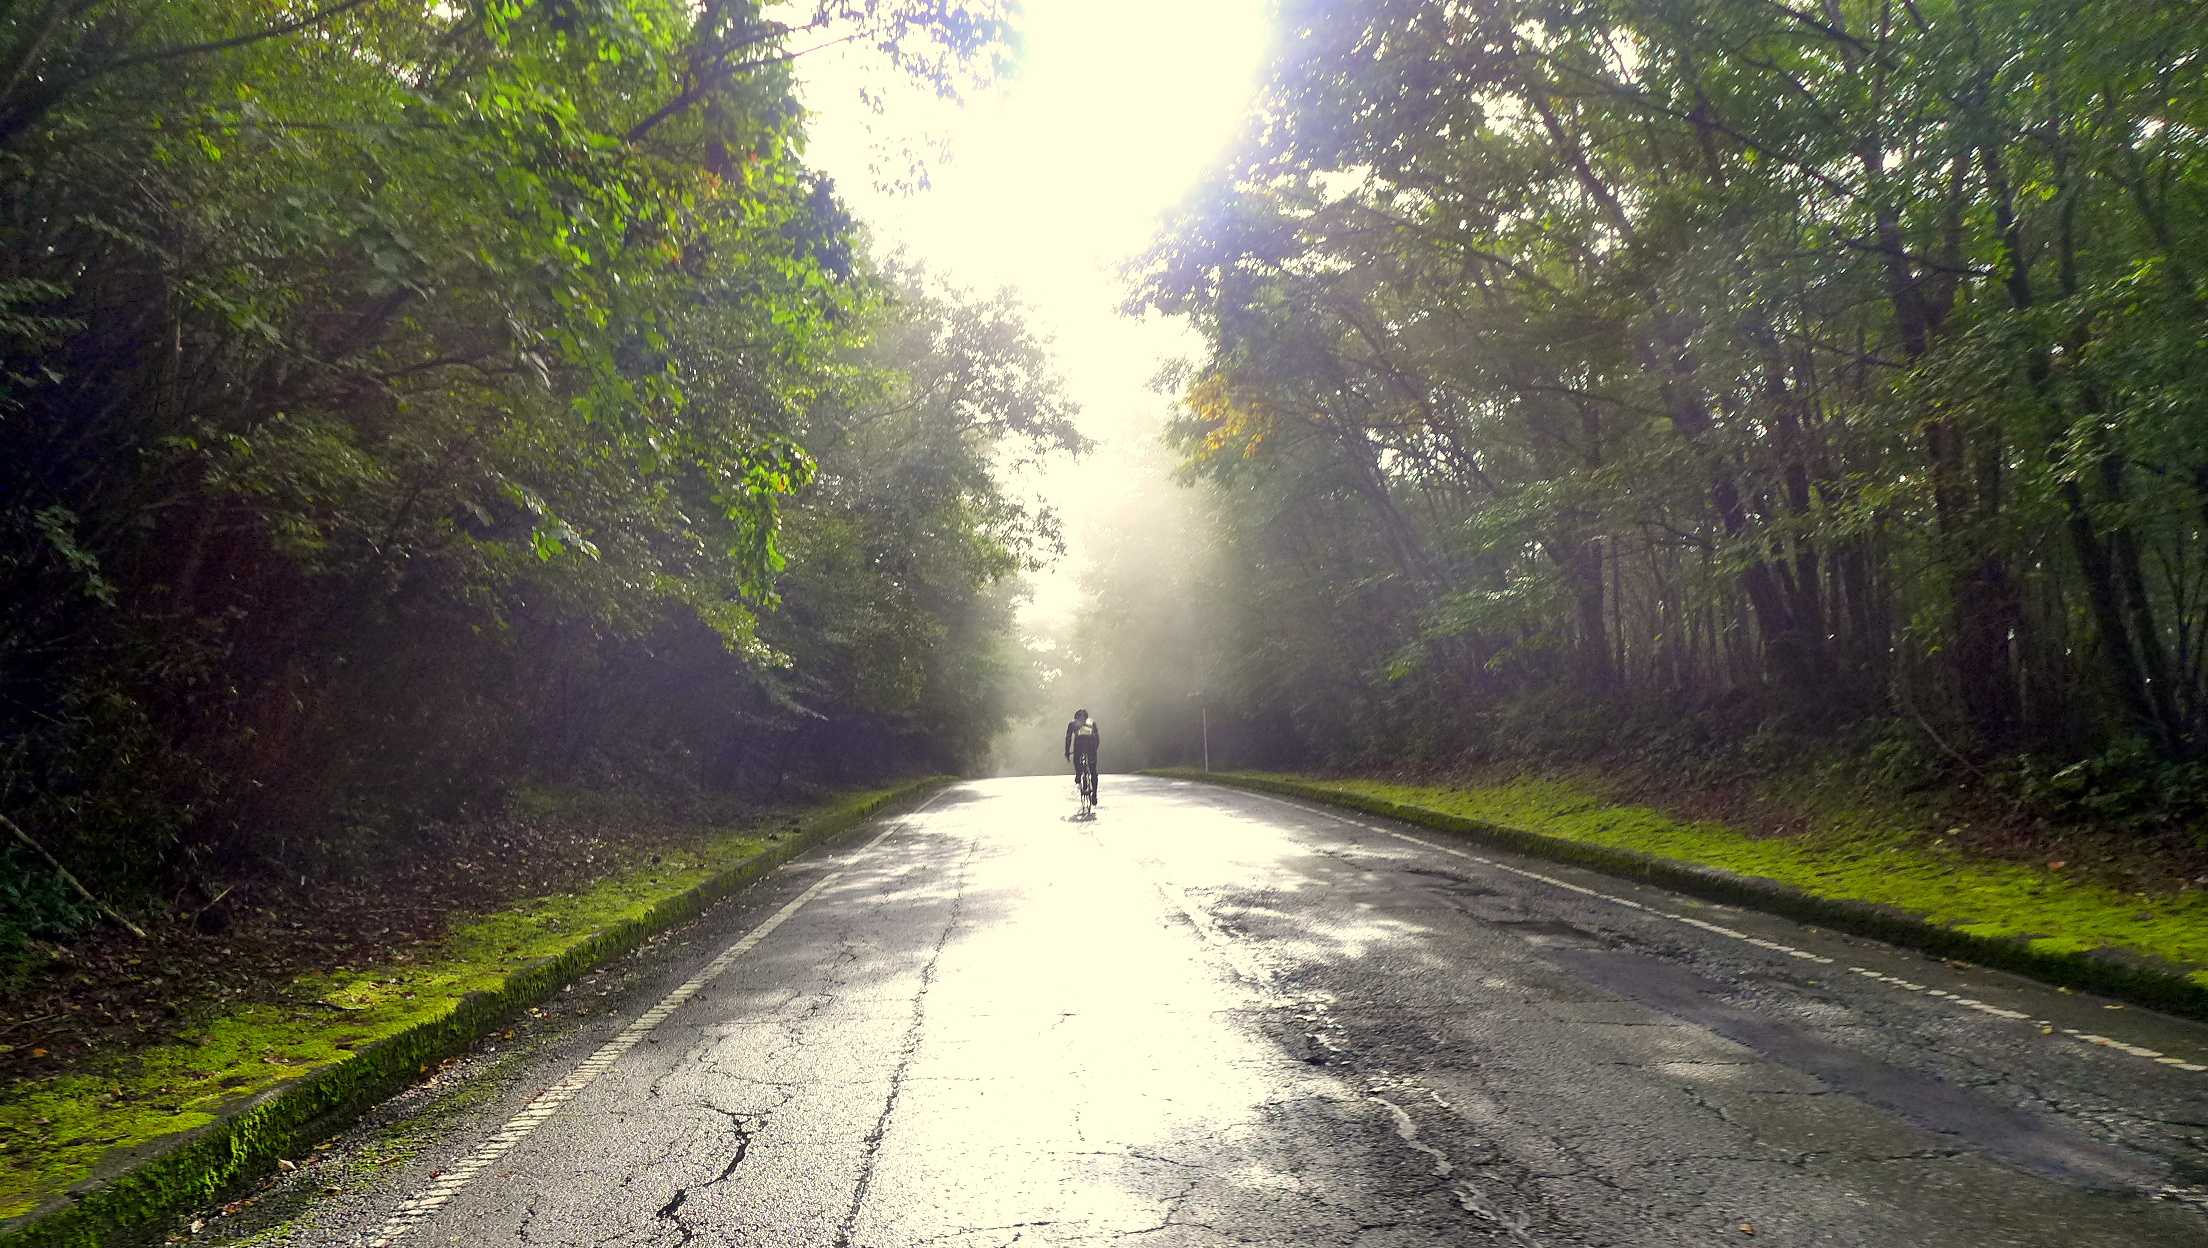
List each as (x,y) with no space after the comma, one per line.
(276,1215)
(1844,858)
(57,1133)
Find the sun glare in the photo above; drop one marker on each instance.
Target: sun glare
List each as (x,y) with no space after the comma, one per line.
(1048,181)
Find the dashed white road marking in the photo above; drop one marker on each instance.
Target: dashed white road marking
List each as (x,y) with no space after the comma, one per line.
(1968,1003)
(425,1203)
(1938,994)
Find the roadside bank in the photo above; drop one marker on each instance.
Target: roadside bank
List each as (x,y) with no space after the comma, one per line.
(2149,949)
(89,1156)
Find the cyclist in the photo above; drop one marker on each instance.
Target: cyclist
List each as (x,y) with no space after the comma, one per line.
(1082,740)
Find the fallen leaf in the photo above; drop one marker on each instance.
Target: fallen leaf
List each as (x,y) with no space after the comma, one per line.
(285,1163)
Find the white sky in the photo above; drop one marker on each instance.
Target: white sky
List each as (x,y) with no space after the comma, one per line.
(1048,182)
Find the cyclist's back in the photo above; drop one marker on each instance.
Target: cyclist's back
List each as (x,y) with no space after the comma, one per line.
(1083,742)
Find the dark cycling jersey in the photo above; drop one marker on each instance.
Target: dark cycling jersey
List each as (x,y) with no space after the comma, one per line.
(1082,738)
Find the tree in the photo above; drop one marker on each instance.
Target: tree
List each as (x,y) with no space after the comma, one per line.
(393,394)
(1679,346)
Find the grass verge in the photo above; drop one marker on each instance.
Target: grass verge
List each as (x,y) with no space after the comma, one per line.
(90,1157)
(1881,882)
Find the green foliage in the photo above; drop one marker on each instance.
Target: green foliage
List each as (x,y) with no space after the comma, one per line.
(1695,354)
(397,401)
(1897,760)
(34,903)
(2128,783)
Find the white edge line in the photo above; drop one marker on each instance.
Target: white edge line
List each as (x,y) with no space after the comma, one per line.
(541,1107)
(2139,1051)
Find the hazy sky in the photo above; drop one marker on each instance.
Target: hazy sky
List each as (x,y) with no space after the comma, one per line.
(1051,180)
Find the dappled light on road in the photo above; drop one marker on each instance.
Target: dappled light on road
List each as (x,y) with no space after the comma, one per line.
(1209,1016)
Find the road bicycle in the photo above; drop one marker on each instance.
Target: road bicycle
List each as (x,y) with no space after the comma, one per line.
(1084,785)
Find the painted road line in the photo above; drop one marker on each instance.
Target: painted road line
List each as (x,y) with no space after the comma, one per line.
(1894,981)
(425,1203)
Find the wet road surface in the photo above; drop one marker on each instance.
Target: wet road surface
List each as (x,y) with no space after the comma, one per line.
(1211,1016)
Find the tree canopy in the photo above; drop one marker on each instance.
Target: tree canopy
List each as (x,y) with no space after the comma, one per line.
(1834,360)
(398,398)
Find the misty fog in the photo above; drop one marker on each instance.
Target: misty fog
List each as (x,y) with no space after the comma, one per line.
(1130,641)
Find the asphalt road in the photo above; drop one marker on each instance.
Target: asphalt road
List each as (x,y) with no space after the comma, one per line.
(1211,1016)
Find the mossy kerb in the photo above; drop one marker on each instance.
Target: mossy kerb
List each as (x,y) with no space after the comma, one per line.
(90,1157)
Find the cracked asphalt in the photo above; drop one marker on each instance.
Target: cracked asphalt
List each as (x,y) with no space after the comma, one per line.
(1211,1016)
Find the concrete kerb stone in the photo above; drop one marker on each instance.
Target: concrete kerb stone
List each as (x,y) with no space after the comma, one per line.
(2132,980)
(132,1193)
